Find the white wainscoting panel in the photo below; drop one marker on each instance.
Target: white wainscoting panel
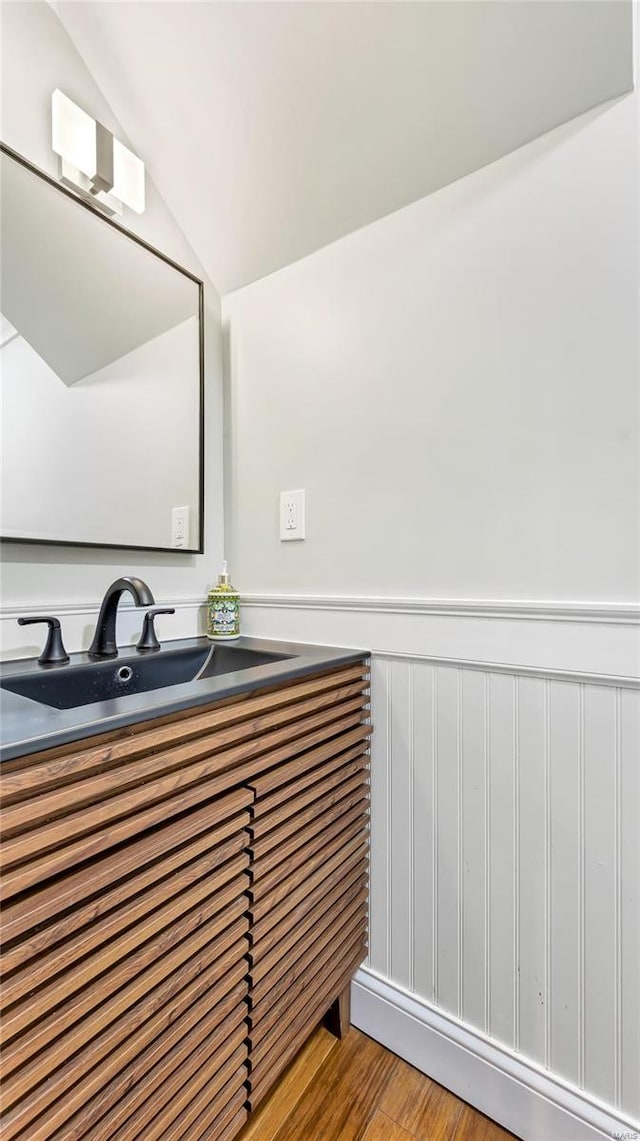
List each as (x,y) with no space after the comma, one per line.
(504,866)
(505,851)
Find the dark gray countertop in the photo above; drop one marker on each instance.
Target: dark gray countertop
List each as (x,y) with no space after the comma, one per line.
(27,726)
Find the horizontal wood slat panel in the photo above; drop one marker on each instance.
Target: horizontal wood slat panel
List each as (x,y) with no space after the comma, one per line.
(210,1110)
(234,1126)
(264,1018)
(274,778)
(122,926)
(176,1091)
(353,822)
(314,904)
(120,873)
(263,1078)
(278,857)
(92,844)
(118,1043)
(111,787)
(79,1117)
(89,984)
(98,842)
(295,796)
(355,913)
(339,903)
(316,985)
(299,995)
(227,1039)
(292,911)
(66,1034)
(53,767)
(314,956)
(271,907)
(327,807)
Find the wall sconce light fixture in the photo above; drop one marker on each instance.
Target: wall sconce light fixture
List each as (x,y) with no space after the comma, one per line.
(92,163)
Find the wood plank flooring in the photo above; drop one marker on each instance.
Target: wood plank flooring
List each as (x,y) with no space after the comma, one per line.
(356,1090)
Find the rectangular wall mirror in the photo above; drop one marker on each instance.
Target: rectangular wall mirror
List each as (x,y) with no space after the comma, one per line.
(102,366)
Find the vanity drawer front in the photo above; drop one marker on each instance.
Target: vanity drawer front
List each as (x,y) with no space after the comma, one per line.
(293,786)
(88,891)
(126,969)
(42,1090)
(304,822)
(48,849)
(100,910)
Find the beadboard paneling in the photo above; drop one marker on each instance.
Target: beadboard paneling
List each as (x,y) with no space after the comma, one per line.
(505,859)
(627,862)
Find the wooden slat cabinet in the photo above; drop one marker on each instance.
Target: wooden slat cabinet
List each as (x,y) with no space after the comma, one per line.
(308,848)
(169,902)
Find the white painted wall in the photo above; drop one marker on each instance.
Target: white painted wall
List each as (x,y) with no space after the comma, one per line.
(38,56)
(456,387)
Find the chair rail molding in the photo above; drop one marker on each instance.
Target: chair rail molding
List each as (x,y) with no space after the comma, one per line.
(600,639)
(523,610)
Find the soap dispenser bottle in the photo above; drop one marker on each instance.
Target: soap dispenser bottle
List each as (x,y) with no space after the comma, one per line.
(223,610)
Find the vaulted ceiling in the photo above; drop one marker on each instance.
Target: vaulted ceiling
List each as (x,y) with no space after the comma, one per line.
(272,129)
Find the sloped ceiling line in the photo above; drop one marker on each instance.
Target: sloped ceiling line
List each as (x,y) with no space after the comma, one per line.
(273,129)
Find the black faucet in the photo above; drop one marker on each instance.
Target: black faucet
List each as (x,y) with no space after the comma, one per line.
(104,643)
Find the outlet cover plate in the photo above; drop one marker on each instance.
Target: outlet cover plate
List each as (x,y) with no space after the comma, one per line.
(180,526)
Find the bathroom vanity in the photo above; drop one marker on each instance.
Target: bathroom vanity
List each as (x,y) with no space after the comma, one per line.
(184,893)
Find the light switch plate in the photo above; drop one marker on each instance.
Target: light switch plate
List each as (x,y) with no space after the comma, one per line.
(292,515)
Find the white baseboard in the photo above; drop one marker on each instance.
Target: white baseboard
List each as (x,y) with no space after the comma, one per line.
(522,1097)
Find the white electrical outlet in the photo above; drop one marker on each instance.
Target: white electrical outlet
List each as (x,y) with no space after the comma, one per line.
(292,515)
(180,526)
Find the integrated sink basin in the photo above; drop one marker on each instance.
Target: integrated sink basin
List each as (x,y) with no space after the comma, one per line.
(68,687)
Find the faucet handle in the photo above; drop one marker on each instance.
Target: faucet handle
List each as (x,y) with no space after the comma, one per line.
(148,638)
(54,652)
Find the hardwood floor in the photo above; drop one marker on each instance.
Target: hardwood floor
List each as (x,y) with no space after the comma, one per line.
(355,1090)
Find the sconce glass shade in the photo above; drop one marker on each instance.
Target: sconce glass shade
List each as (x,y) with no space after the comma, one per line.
(128,177)
(92,161)
(73,135)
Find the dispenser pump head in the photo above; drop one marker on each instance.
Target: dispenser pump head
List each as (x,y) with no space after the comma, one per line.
(223,577)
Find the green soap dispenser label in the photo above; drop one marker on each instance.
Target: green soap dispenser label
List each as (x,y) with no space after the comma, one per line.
(223,609)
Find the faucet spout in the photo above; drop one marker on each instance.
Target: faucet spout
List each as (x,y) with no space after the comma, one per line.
(104,643)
